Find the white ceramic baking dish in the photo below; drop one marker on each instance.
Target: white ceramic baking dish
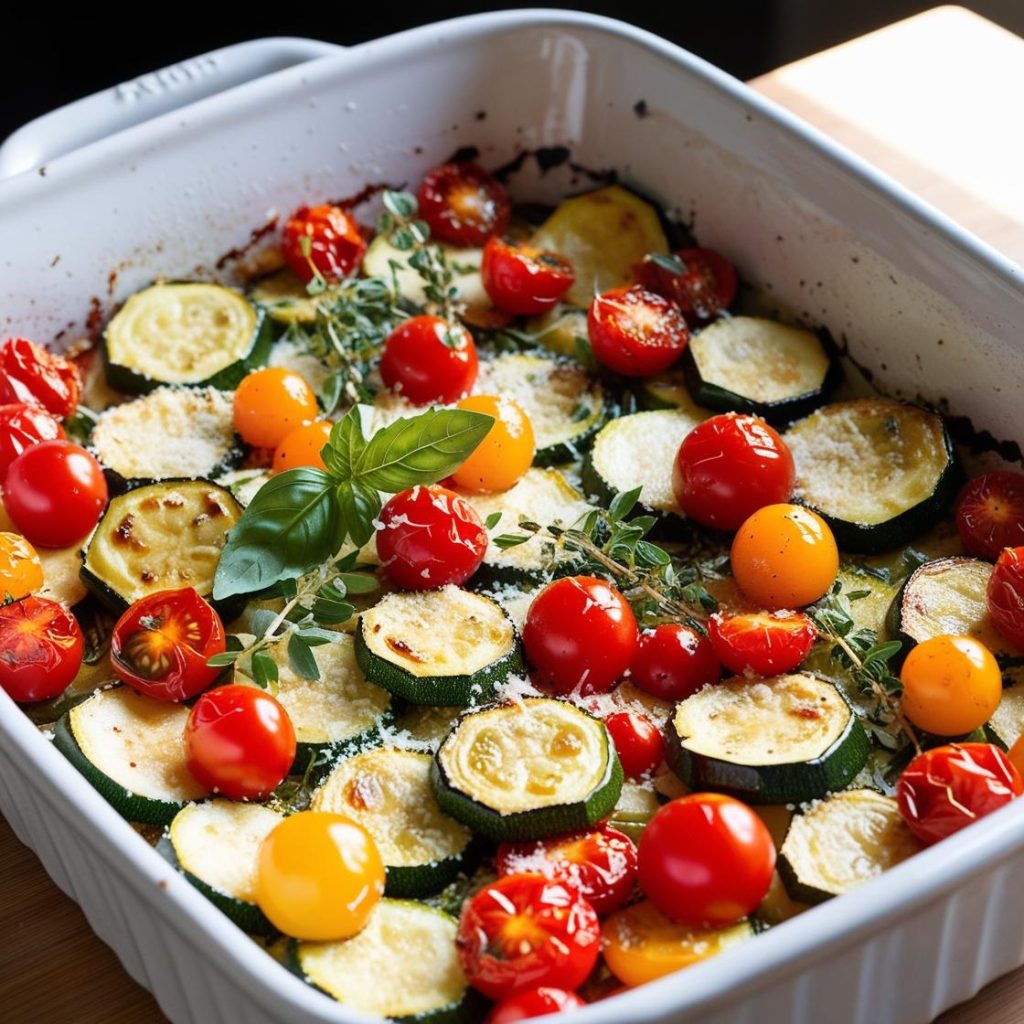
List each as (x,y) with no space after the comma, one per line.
(931,309)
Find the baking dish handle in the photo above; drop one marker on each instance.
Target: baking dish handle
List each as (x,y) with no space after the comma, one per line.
(95,117)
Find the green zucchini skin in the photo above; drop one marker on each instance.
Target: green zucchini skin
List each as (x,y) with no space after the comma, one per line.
(780,413)
(130,382)
(118,484)
(833,770)
(438,691)
(141,809)
(247,916)
(415,882)
(568,451)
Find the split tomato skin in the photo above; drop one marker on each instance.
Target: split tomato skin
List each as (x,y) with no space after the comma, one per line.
(636,332)
(22,426)
(526,931)
(706,859)
(990,514)
(430,537)
(32,376)
(599,863)
(580,634)
(523,280)
(761,642)
(706,286)
(673,662)
(426,359)
(54,493)
(948,788)
(336,245)
(41,648)
(537,1002)
(638,742)
(463,204)
(160,645)
(1005,595)
(240,742)
(730,466)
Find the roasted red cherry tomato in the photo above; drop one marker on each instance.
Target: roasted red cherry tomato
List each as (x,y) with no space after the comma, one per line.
(525,931)
(636,332)
(40,649)
(730,466)
(336,245)
(762,642)
(522,279)
(240,742)
(22,426)
(672,662)
(580,635)
(54,493)
(463,204)
(32,376)
(160,646)
(947,788)
(1006,595)
(535,1003)
(638,742)
(600,863)
(706,859)
(706,285)
(990,514)
(426,359)
(430,537)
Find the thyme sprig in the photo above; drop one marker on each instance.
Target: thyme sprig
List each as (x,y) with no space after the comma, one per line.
(868,662)
(605,542)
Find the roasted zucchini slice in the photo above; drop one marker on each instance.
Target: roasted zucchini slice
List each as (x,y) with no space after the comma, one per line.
(781,740)
(285,298)
(878,471)
(641,943)
(841,842)
(403,965)
(216,846)
(562,330)
(388,791)
(947,597)
(527,769)
(602,234)
(541,496)
(446,647)
(185,333)
(132,749)
(170,433)
(159,537)
(565,405)
(341,709)
(1006,725)
(639,450)
(752,365)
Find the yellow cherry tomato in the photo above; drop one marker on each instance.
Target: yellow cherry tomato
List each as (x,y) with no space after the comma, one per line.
(784,556)
(21,572)
(641,944)
(302,447)
(270,404)
(951,685)
(507,451)
(319,876)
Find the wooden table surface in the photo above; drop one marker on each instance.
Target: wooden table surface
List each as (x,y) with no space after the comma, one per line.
(917,100)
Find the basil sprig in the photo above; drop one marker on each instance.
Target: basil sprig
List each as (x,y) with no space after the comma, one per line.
(300,518)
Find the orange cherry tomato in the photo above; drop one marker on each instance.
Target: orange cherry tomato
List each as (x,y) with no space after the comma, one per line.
(302,447)
(505,453)
(784,556)
(270,404)
(319,876)
(951,685)
(21,572)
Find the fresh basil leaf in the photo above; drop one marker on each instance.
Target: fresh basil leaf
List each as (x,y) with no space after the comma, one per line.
(345,444)
(301,659)
(360,505)
(420,449)
(292,524)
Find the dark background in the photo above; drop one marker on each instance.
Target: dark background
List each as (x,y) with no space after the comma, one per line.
(50,60)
